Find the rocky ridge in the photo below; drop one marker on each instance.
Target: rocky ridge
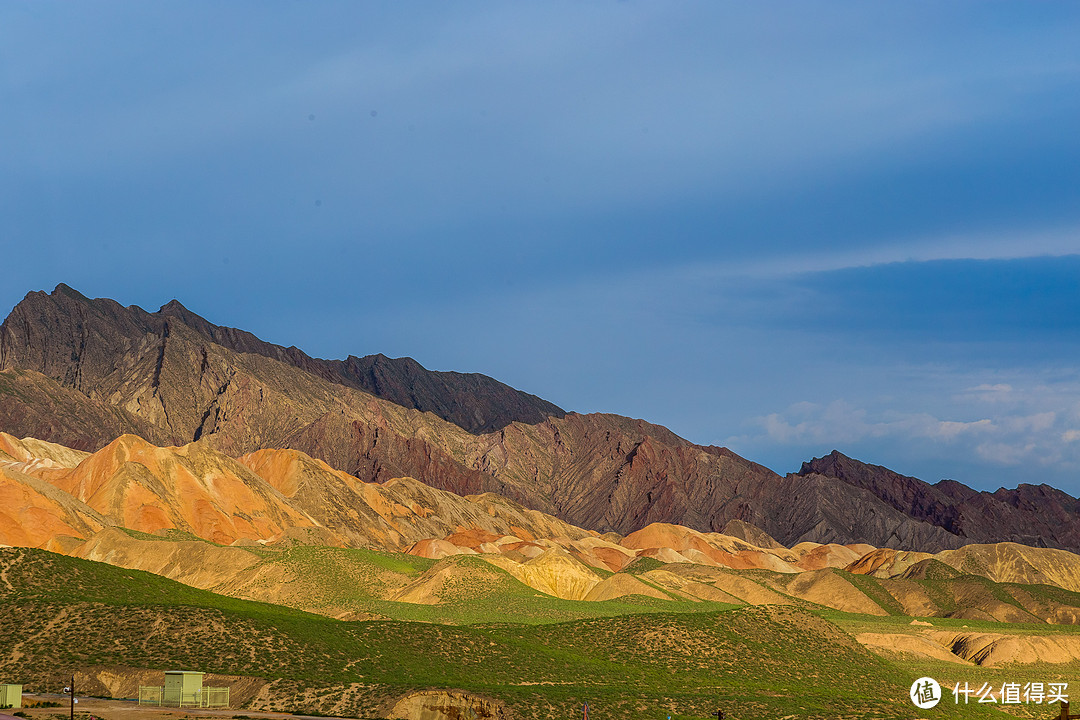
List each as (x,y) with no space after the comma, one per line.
(82,372)
(195,515)
(76,340)
(1036,515)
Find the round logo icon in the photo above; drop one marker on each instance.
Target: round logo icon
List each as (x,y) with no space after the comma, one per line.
(925,693)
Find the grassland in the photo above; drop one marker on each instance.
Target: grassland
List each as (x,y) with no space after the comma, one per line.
(950,674)
(641,660)
(342,581)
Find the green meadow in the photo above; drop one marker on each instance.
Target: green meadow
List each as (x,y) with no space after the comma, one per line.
(541,656)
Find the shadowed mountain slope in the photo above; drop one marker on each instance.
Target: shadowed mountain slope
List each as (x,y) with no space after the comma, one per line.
(72,338)
(1037,515)
(474,402)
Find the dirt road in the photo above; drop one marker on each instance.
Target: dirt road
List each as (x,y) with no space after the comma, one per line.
(131,710)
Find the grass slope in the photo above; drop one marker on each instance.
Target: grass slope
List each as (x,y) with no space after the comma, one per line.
(58,614)
(344,582)
(949,674)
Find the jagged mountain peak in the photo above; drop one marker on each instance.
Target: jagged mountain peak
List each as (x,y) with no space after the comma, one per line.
(74,339)
(65,289)
(83,372)
(1037,515)
(174,307)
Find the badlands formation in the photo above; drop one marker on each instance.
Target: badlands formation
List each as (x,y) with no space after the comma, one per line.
(372,488)
(232,525)
(81,372)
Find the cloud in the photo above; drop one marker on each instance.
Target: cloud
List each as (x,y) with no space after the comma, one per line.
(1018,243)
(1006,453)
(951,429)
(841,422)
(1021,426)
(987,393)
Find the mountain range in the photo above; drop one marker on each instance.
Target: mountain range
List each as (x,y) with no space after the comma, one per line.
(83,372)
(367,538)
(281,527)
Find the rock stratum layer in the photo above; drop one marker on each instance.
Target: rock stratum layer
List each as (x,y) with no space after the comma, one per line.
(282,527)
(82,372)
(1037,515)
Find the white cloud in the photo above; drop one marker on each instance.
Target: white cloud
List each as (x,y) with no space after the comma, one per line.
(1006,453)
(1012,244)
(841,422)
(1037,423)
(996,424)
(951,429)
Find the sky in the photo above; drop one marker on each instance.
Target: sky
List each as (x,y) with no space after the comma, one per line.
(785,228)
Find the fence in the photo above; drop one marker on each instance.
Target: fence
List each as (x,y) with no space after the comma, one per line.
(207,697)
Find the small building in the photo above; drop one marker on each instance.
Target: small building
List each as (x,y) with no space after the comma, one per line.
(10,696)
(183,688)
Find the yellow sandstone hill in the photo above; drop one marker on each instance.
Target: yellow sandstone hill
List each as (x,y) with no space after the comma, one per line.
(886,562)
(38,452)
(34,513)
(191,488)
(1014,563)
(239,527)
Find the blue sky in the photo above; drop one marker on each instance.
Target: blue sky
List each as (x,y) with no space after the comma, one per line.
(782,227)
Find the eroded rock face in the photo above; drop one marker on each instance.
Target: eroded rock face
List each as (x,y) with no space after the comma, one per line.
(447,705)
(1036,515)
(76,340)
(82,372)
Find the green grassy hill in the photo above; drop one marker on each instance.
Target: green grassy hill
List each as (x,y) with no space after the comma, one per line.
(357,584)
(58,614)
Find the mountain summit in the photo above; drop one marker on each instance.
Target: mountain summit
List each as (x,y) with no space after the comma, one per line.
(69,337)
(1036,515)
(83,372)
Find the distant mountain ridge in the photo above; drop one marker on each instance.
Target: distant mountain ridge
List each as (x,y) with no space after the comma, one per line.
(82,372)
(93,330)
(1037,515)
(271,525)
